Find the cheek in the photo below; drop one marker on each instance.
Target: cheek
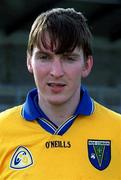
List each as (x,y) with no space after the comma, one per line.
(36,68)
(76,73)
(40,72)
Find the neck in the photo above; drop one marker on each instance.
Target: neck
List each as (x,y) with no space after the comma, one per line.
(59,113)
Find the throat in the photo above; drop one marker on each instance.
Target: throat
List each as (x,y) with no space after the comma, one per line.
(57,114)
(60,113)
(58,117)
(58,121)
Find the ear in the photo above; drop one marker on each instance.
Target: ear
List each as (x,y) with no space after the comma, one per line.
(87,66)
(29,65)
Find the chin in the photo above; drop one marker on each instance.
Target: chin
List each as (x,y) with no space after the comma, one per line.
(57,101)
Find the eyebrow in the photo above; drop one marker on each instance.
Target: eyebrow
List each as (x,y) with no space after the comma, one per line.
(72,54)
(38,52)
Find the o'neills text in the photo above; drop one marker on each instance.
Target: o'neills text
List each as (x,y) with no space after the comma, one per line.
(58,144)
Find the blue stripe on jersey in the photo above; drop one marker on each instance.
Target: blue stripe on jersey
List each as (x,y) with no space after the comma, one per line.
(65,126)
(54,129)
(47,125)
(32,111)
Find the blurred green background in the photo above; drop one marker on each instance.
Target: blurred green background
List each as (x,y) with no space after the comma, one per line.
(104,19)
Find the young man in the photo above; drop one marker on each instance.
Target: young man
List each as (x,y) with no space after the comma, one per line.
(60,132)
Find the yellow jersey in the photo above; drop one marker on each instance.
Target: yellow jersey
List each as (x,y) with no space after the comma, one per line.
(89,148)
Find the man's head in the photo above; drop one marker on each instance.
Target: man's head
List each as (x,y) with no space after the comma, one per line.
(67,29)
(59,55)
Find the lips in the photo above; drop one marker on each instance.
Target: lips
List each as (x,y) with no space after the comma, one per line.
(56,87)
(51,84)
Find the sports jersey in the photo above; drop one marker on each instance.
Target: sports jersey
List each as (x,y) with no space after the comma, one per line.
(87,146)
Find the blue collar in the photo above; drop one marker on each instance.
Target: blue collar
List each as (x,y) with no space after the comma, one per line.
(32,111)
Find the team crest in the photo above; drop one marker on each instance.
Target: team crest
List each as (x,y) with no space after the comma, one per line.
(21,159)
(99,152)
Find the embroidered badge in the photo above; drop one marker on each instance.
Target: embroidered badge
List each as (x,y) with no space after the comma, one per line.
(21,159)
(99,152)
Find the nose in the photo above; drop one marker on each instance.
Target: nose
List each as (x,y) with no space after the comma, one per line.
(57,68)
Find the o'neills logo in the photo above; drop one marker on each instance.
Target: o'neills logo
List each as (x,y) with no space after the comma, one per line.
(58,144)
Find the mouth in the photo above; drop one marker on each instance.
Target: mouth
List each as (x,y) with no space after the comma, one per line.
(51,84)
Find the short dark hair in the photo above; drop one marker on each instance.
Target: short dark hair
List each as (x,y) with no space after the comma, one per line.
(65,26)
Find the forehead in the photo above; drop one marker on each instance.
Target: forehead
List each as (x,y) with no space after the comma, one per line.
(50,47)
(76,52)
(46,42)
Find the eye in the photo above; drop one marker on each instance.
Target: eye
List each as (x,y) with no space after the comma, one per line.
(43,56)
(70,59)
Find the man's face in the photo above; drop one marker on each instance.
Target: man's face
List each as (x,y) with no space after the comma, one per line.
(58,76)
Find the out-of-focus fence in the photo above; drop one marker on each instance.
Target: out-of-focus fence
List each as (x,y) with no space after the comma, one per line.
(14,95)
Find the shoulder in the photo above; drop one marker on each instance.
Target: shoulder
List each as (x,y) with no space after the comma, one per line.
(10,121)
(106,112)
(10,114)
